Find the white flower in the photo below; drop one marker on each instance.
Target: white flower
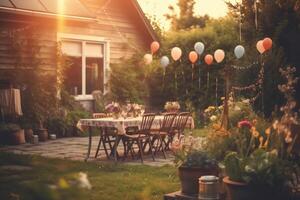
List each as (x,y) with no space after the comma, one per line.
(84,181)
(213,118)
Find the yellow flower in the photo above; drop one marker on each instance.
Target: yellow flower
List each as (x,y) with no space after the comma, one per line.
(255,134)
(268,131)
(288,140)
(62,183)
(261,140)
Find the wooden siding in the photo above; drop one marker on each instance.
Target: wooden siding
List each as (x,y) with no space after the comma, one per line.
(117,21)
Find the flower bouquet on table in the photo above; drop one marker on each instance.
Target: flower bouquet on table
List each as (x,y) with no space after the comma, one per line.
(192,162)
(172,106)
(135,110)
(113,109)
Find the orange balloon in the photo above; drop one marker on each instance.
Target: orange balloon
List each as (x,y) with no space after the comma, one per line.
(208,59)
(267,43)
(193,56)
(260,47)
(154,47)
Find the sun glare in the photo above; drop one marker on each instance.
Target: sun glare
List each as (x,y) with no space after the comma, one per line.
(60,10)
(158,9)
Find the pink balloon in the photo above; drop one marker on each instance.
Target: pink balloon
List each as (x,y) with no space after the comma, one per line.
(154,47)
(260,47)
(193,56)
(219,55)
(176,53)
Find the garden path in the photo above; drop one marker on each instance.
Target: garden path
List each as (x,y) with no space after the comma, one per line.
(75,148)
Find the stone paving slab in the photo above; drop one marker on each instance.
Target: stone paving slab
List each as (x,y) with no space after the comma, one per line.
(75,148)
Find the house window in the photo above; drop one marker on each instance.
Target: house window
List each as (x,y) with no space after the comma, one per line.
(87,70)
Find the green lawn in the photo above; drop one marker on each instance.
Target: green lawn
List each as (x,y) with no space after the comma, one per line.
(55,179)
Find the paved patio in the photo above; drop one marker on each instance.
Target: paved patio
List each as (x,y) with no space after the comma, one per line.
(75,148)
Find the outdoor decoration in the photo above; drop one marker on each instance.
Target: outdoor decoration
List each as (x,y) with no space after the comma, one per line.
(260,47)
(239,51)
(199,47)
(208,59)
(267,43)
(193,56)
(154,47)
(134,110)
(176,53)
(164,62)
(219,55)
(172,106)
(147,58)
(113,109)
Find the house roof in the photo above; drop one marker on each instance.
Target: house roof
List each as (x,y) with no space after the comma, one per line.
(69,8)
(145,20)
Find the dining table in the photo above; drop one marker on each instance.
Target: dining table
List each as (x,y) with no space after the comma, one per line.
(120,124)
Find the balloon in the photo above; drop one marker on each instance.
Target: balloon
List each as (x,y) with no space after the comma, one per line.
(260,47)
(208,59)
(239,51)
(219,55)
(193,56)
(154,47)
(147,58)
(176,53)
(267,43)
(199,47)
(164,61)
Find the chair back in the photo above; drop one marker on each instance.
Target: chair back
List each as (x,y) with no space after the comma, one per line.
(167,122)
(147,121)
(181,121)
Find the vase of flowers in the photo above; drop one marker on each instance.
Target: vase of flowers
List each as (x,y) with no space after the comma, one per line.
(135,110)
(113,109)
(172,106)
(193,162)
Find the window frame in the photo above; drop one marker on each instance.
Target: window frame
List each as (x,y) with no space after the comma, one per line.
(106,59)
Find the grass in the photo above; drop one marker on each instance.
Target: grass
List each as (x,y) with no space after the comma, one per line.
(55,179)
(201,132)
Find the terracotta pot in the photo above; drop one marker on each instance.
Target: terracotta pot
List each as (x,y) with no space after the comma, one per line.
(243,191)
(237,190)
(189,178)
(17,137)
(28,135)
(43,135)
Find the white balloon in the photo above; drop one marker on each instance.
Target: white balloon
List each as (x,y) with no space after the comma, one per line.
(164,61)
(199,47)
(239,51)
(147,58)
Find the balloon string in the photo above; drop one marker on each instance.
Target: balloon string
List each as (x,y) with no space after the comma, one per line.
(207,82)
(240,24)
(256,14)
(192,71)
(164,75)
(216,91)
(199,78)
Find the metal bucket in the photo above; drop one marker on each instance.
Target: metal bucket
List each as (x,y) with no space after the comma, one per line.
(208,188)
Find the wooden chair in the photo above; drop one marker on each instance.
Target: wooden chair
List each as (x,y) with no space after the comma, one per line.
(107,136)
(141,137)
(178,128)
(159,136)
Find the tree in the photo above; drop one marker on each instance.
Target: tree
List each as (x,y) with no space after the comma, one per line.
(186,18)
(279,20)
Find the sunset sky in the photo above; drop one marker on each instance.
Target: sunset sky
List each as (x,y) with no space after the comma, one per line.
(214,8)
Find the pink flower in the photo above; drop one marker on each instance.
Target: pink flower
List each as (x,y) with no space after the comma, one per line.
(244,123)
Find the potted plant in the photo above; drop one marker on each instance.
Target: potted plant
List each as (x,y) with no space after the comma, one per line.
(193,162)
(11,134)
(113,109)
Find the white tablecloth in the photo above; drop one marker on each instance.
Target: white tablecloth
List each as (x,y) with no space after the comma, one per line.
(121,124)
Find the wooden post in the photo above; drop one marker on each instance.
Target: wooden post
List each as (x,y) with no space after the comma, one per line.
(225,115)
